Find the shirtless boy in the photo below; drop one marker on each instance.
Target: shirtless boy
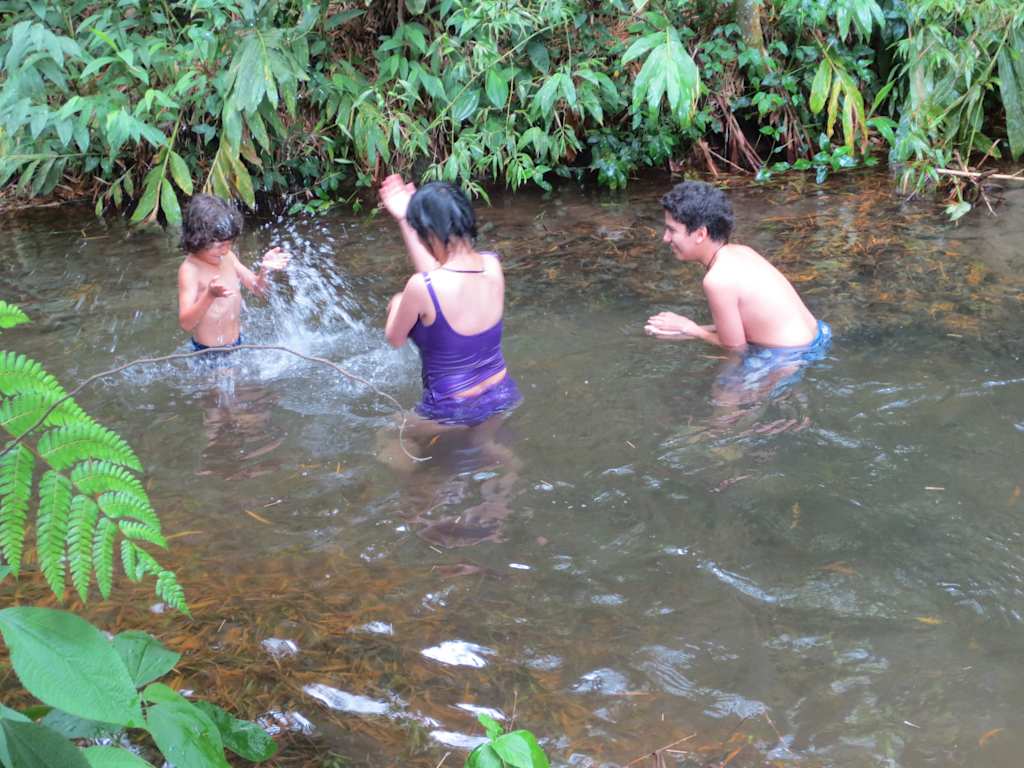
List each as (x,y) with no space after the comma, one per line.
(209,279)
(753,306)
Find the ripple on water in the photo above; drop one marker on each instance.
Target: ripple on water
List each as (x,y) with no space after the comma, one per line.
(346,702)
(458,653)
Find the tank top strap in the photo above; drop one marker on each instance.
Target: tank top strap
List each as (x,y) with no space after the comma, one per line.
(433,296)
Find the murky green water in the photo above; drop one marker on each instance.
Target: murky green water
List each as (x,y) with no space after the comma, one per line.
(636,556)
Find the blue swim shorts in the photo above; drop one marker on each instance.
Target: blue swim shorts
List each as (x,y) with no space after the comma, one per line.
(217,359)
(759,363)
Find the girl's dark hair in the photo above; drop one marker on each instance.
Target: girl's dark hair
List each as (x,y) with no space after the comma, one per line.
(695,204)
(208,219)
(442,210)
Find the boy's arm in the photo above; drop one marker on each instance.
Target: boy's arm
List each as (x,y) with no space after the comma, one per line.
(192,308)
(727,330)
(724,302)
(258,283)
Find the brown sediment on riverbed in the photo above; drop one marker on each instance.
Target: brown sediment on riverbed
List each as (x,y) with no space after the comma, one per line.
(347,629)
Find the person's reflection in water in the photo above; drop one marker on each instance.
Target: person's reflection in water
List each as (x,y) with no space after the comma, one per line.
(240,440)
(462,495)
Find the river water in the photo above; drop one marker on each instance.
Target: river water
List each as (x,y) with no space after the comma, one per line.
(828,574)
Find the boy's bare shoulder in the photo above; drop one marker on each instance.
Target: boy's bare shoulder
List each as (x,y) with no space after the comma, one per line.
(188,269)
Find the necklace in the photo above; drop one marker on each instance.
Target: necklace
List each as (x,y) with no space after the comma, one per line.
(711,263)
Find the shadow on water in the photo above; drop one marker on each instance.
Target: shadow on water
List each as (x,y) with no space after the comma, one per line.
(827,574)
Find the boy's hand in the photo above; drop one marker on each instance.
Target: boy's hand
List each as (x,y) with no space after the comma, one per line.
(217,289)
(671,324)
(275,259)
(395,195)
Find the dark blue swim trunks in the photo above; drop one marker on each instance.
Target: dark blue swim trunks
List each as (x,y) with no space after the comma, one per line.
(759,364)
(217,359)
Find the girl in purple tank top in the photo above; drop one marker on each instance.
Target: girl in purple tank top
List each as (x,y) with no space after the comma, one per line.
(451,308)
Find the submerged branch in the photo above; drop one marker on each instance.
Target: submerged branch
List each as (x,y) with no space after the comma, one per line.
(183,355)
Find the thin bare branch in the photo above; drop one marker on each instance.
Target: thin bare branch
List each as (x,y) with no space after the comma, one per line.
(184,355)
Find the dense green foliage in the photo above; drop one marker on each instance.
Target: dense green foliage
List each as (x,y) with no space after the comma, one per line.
(81,479)
(138,102)
(92,686)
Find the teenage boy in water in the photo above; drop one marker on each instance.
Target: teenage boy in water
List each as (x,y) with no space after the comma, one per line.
(755,309)
(209,279)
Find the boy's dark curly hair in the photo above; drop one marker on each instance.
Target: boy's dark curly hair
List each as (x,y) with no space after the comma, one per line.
(442,210)
(208,219)
(695,204)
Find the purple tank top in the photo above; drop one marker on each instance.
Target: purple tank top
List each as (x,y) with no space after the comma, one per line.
(453,362)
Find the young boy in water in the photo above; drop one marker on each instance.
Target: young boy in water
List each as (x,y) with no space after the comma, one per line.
(209,279)
(753,306)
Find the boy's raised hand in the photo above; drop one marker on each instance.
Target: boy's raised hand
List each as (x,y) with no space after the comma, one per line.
(217,289)
(275,259)
(395,194)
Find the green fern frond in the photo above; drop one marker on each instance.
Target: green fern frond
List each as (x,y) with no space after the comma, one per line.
(168,589)
(23,374)
(141,532)
(15,492)
(130,561)
(11,315)
(98,477)
(103,555)
(62,447)
(52,528)
(129,505)
(81,530)
(146,563)
(20,413)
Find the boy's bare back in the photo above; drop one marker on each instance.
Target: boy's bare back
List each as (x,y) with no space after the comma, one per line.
(742,283)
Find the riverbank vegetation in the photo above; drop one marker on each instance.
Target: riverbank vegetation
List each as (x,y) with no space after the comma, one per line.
(136,104)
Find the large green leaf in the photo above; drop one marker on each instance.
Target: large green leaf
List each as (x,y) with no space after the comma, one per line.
(484,756)
(65,662)
(520,750)
(668,72)
(74,727)
(466,105)
(169,204)
(497,87)
(180,172)
(186,736)
(111,757)
(820,86)
(242,737)
(6,713)
(1011,87)
(30,745)
(143,656)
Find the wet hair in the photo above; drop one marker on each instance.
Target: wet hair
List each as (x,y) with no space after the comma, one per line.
(695,204)
(208,219)
(442,210)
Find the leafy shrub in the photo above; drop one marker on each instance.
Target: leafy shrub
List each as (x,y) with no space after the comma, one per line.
(90,688)
(136,102)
